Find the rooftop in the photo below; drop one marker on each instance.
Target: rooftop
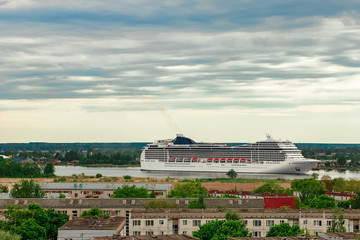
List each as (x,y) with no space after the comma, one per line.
(102,186)
(148,237)
(111,223)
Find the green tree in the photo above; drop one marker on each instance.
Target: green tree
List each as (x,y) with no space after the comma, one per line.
(221,229)
(308,189)
(27,189)
(4,189)
(197,203)
(152,194)
(284,230)
(322,202)
(339,184)
(9,236)
(341,160)
(98,175)
(94,212)
(355,202)
(337,223)
(188,190)
(269,188)
(127,191)
(231,173)
(327,182)
(31,170)
(230,215)
(34,222)
(49,170)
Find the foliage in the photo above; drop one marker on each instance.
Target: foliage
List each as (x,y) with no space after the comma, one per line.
(231,173)
(327,182)
(4,189)
(127,191)
(94,212)
(60,179)
(345,204)
(9,236)
(127,177)
(61,195)
(49,170)
(152,194)
(34,222)
(98,175)
(31,170)
(355,202)
(284,230)
(322,202)
(188,190)
(221,229)
(159,204)
(269,188)
(315,176)
(308,189)
(339,185)
(230,215)
(27,189)
(337,223)
(197,203)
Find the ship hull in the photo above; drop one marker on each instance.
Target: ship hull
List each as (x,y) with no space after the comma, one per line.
(284,167)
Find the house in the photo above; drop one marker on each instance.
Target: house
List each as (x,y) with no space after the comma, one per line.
(88,228)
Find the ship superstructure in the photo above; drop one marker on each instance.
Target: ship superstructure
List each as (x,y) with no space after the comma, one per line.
(184,154)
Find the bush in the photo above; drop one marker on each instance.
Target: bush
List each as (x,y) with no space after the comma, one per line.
(98,175)
(127,177)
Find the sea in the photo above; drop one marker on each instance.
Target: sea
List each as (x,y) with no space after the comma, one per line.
(136,172)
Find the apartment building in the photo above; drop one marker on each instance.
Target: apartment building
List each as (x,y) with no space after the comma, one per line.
(258,221)
(120,206)
(98,190)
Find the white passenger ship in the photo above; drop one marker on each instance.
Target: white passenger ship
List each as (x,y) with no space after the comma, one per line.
(184,154)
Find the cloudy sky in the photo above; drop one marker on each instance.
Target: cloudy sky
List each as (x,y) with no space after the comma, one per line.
(140,70)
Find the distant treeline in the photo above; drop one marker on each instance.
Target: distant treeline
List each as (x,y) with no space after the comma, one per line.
(44,146)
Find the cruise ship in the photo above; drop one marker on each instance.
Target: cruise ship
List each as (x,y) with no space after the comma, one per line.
(184,154)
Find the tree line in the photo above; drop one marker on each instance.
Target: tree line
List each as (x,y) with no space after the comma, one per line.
(9,168)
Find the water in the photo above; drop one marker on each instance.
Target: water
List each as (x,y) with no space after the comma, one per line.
(136,172)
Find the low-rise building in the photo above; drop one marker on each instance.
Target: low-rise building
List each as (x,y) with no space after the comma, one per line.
(99,190)
(88,228)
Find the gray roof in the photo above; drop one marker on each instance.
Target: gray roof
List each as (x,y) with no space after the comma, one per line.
(100,223)
(102,186)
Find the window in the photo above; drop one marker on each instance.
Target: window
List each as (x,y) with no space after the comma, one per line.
(161,222)
(106,212)
(207,221)
(329,223)
(184,232)
(317,223)
(149,222)
(161,233)
(282,221)
(196,223)
(257,223)
(137,233)
(117,213)
(184,222)
(149,233)
(74,213)
(305,222)
(270,223)
(136,222)
(257,234)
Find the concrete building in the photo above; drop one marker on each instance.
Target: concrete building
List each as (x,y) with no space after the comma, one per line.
(258,221)
(98,190)
(88,228)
